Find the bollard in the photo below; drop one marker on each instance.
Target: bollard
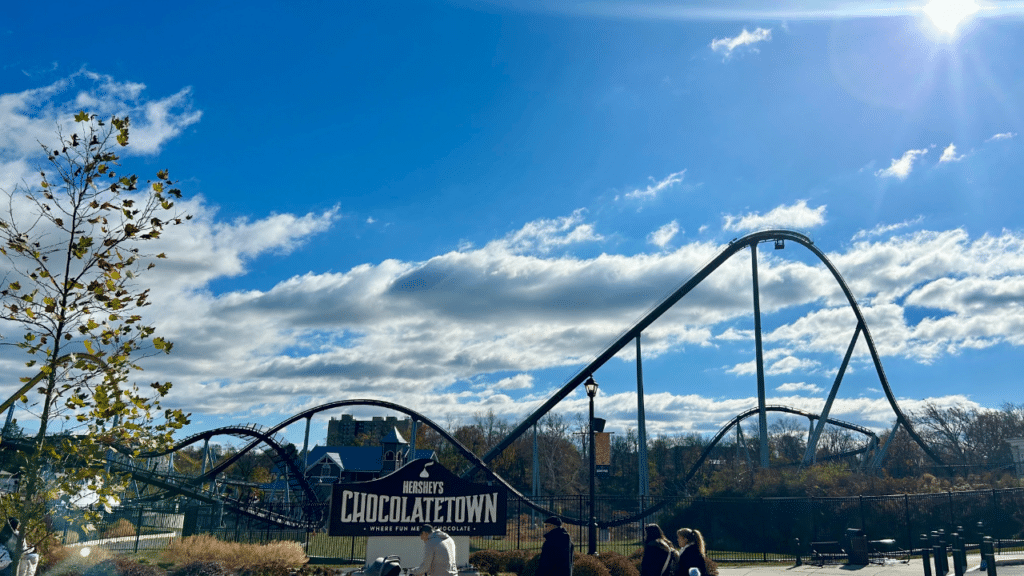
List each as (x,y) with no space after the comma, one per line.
(943,554)
(936,553)
(958,567)
(925,556)
(799,561)
(988,555)
(963,547)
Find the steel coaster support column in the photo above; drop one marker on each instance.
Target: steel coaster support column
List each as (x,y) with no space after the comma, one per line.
(535,483)
(742,442)
(10,417)
(305,444)
(641,429)
(412,444)
(812,443)
(762,417)
(885,447)
(869,452)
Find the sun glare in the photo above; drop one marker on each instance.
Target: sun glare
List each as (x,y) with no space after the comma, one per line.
(946,15)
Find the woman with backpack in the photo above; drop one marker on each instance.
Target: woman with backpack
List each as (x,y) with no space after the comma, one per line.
(660,557)
(693,554)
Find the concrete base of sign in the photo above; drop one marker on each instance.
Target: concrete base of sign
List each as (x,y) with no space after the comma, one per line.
(410,549)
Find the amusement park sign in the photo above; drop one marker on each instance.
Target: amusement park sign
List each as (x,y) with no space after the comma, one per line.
(421,492)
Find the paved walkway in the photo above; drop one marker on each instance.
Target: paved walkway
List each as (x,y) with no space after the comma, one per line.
(1006,565)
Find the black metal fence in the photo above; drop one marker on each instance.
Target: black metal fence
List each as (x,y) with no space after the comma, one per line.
(735,529)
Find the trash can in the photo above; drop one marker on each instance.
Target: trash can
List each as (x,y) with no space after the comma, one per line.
(857,547)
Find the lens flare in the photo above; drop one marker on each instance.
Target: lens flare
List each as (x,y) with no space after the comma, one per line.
(946,15)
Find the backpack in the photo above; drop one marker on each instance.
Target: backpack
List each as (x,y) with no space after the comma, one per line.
(5,557)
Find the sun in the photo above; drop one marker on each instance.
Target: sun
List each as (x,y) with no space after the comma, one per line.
(946,15)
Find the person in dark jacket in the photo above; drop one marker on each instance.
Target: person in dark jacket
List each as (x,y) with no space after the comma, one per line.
(556,553)
(660,558)
(692,554)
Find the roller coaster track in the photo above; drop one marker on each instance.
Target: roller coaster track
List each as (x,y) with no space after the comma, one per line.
(785,409)
(193,487)
(749,241)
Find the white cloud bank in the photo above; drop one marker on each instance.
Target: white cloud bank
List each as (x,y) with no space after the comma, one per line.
(481,329)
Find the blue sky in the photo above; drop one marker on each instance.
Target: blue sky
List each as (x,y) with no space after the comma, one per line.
(455,205)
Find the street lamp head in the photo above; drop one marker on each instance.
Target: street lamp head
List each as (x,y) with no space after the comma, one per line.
(591,386)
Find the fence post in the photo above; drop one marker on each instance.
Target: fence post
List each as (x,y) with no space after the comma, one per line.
(138,530)
(925,556)
(906,515)
(799,561)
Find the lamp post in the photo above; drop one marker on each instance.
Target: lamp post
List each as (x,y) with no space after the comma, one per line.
(591,386)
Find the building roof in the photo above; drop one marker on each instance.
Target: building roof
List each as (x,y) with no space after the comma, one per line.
(351,458)
(393,437)
(360,458)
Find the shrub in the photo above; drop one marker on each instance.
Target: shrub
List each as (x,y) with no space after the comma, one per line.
(104,568)
(587,565)
(247,559)
(530,568)
(618,565)
(202,568)
(514,560)
(60,561)
(129,567)
(118,529)
(486,561)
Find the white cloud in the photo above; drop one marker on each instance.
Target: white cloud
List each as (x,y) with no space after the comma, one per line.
(949,154)
(29,117)
(543,236)
(657,187)
(727,45)
(798,387)
(900,168)
(662,236)
(882,229)
(1002,136)
(795,216)
(517,382)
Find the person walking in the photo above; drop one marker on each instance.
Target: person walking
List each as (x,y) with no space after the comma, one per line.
(8,543)
(660,558)
(693,554)
(556,553)
(438,554)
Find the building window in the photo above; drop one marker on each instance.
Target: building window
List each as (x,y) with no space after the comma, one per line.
(389,455)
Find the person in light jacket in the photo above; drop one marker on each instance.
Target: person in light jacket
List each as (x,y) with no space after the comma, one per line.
(438,554)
